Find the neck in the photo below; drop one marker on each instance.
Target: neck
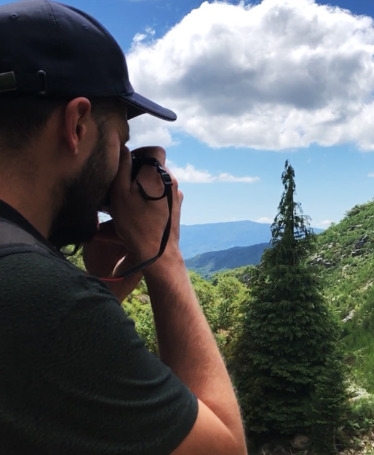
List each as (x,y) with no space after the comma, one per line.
(34,213)
(26,187)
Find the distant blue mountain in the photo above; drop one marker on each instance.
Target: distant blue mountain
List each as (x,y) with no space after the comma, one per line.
(202,238)
(207,263)
(197,239)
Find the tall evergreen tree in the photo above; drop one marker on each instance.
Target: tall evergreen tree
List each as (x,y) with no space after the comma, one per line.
(288,370)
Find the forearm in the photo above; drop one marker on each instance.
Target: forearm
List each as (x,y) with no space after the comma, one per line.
(186,343)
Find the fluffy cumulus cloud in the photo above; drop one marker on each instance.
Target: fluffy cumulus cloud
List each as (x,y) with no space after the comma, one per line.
(279,74)
(146,129)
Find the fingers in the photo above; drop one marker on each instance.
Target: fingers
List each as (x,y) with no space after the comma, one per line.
(134,234)
(107,232)
(100,256)
(123,183)
(123,287)
(140,212)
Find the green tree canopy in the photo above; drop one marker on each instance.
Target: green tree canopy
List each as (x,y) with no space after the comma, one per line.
(287,366)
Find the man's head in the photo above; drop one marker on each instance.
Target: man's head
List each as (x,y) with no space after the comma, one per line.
(98,128)
(52,54)
(76,219)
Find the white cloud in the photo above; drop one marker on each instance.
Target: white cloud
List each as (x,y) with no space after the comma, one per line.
(149,130)
(141,37)
(189,174)
(265,219)
(280,74)
(371,174)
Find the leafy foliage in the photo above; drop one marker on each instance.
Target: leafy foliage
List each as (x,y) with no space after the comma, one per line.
(138,307)
(345,261)
(287,366)
(220,300)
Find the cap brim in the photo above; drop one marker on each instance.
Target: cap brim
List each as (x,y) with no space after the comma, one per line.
(138,105)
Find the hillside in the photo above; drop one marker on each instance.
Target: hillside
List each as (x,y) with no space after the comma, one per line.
(345,253)
(345,258)
(207,263)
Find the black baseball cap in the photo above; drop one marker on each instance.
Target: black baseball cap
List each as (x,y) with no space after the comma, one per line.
(50,49)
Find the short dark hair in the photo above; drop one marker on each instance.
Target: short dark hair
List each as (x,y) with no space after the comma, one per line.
(21,118)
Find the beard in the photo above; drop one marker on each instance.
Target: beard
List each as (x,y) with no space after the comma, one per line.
(77,220)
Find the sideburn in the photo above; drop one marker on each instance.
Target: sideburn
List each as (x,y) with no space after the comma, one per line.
(77,220)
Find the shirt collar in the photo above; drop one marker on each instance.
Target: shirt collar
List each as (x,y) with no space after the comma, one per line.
(11,214)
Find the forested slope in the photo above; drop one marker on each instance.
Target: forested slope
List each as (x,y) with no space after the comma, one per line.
(345,257)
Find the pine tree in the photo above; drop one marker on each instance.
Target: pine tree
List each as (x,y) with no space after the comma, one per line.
(288,372)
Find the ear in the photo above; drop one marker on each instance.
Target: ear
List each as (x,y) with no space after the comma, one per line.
(77,118)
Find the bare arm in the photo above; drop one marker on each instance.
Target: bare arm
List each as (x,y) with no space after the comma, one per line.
(186,343)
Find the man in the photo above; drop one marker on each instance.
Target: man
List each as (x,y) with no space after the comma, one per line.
(75,378)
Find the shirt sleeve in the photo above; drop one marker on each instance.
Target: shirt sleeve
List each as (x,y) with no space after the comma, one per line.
(95,388)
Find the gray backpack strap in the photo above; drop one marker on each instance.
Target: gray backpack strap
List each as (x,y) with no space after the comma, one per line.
(14,239)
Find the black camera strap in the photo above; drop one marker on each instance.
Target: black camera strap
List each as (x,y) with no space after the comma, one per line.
(167,182)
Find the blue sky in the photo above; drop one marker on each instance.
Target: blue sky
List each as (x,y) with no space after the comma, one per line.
(254,84)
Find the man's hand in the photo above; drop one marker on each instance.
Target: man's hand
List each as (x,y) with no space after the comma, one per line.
(134,234)
(103,254)
(140,223)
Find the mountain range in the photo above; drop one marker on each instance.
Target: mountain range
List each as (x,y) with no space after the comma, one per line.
(203,238)
(209,248)
(207,263)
